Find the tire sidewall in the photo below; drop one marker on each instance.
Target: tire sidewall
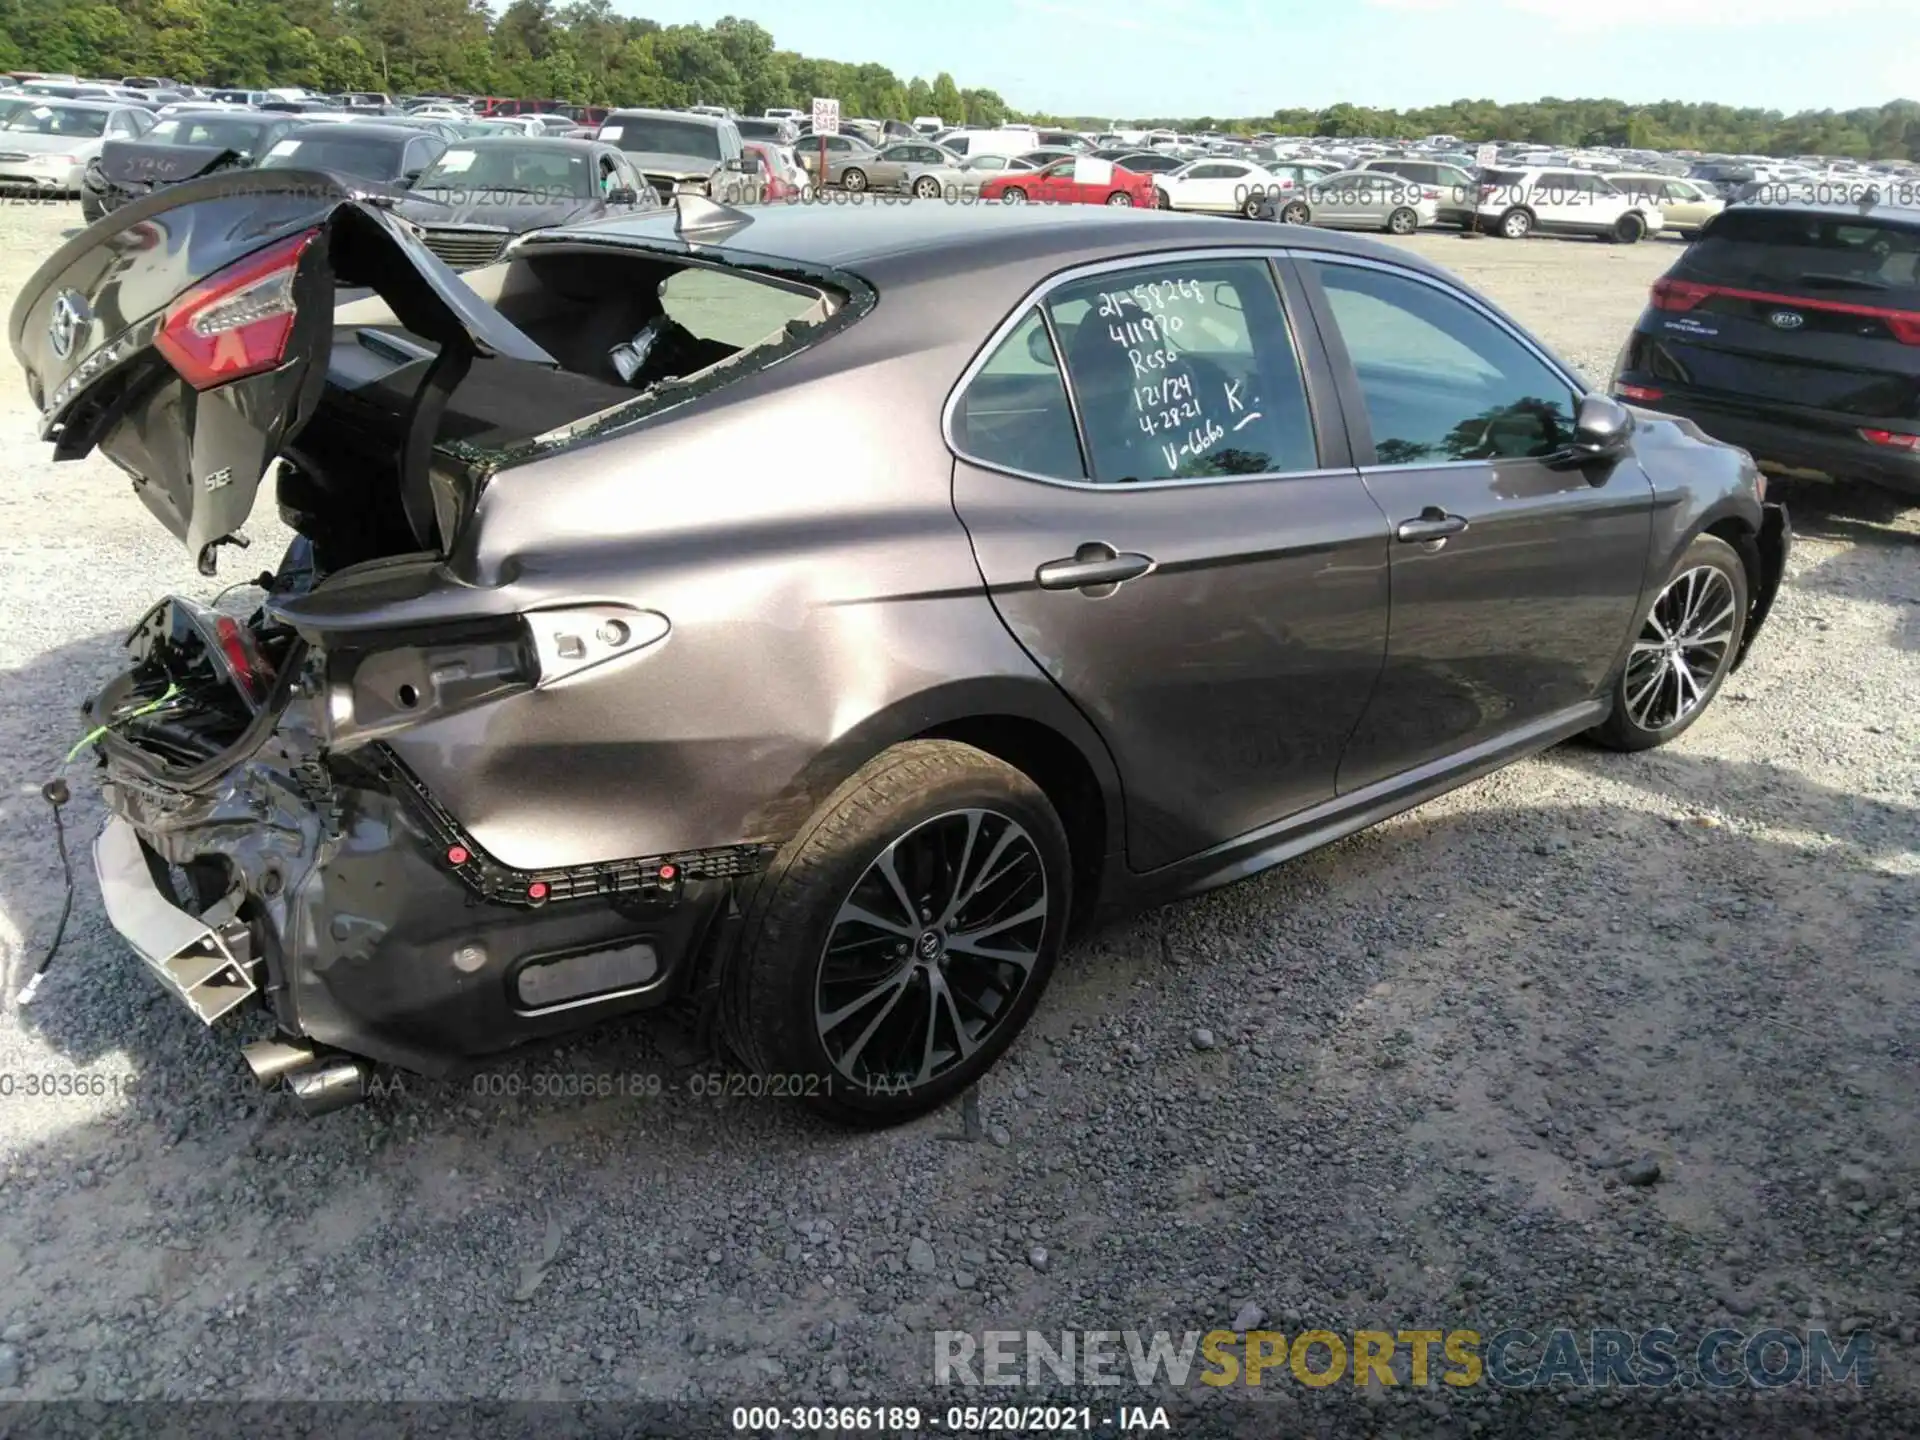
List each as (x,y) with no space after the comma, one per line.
(1525,225)
(1302,217)
(782,958)
(1394,224)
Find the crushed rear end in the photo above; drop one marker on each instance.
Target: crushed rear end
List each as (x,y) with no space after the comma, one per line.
(270,841)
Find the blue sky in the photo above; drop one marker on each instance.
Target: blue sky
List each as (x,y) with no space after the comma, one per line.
(1118,58)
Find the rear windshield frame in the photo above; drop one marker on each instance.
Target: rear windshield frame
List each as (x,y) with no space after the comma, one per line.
(1732,247)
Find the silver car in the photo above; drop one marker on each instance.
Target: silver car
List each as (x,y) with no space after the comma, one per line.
(894,168)
(45,145)
(1364,199)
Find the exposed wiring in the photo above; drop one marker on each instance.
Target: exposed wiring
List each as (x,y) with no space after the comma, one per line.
(57,794)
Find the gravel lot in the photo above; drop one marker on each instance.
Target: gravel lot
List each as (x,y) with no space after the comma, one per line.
(1411,1080)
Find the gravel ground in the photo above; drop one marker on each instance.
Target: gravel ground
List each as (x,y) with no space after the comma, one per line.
(1422,1077)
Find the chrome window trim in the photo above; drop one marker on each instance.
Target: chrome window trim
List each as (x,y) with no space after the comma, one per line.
(1264,254)
(1572,382)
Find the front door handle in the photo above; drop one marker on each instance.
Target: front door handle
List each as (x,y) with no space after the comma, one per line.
(1433,524)
(1095,566)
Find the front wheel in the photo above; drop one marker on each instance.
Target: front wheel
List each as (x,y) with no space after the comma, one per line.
(1296,214)
(1403,222)
(1120,200)
(1013,195)
(906,934)
(1162,200)
(854,180)
(1683,651)
(90,208)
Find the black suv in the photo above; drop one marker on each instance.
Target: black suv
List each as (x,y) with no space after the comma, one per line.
(1793,330)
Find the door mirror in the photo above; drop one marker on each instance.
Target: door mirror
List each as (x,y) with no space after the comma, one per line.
(1602,431)
(737,165)
(411,178)
(621,195)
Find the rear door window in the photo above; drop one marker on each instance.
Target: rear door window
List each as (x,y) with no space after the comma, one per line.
(1184,371)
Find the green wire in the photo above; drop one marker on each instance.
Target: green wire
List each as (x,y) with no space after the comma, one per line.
(94,734)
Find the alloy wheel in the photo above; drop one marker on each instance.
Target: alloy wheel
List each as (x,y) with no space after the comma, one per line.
(1681,649)
(1120,200)
(931,949)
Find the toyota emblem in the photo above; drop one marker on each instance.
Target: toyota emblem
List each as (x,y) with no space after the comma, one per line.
(69,318)
(1786,319)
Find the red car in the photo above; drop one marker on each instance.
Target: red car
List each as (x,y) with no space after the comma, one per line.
(1073,181)
(774,165)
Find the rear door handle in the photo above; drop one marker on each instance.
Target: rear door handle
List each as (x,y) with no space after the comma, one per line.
(1093,564)
(1433,524)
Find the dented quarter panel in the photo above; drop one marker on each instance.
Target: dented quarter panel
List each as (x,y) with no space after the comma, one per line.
(824,603)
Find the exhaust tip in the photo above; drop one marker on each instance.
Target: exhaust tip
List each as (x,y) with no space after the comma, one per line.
(271,1060)
(332,1085)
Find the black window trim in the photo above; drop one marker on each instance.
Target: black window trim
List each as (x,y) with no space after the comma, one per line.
(1347,379)
(1320,410)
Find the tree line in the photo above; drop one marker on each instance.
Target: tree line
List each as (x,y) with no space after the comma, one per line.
(581,52)
(586,53)
(1888,132)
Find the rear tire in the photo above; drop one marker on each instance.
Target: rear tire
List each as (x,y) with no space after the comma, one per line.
(1162,200)
(1516,224)
(1681,651)
(927,188)
(1403,222)
(90,209)
(840,987)
(1120,200)
(1250,207)
(853,179)
(1628,230)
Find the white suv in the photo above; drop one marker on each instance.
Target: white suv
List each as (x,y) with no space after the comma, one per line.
(1517,202)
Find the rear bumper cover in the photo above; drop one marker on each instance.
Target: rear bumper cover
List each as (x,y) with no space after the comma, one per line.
(1819,447)
(341,908)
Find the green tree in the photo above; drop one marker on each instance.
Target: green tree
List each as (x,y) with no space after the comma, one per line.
(944,97)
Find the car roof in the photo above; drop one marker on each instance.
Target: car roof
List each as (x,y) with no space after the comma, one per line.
(524,142)
(1886,209)
(871,241)
(78,104)
(642,113)
(367,129)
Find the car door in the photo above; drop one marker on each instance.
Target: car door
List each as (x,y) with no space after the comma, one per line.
(1171,527)
(1053,183)
(1516,579)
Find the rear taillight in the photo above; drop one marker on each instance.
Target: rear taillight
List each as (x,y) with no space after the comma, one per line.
(236,322)
(1429,194)
(1671,294)
(1643,393)
(1905,328)
(1891,439)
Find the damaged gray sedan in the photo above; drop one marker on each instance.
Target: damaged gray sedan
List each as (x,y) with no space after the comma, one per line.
(804,618)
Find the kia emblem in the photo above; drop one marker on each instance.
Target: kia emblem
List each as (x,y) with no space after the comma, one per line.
(1786,319)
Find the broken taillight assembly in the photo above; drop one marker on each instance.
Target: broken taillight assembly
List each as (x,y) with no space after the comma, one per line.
(1891,439)
(237,321)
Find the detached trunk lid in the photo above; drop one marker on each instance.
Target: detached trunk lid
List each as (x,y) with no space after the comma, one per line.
(189,340)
